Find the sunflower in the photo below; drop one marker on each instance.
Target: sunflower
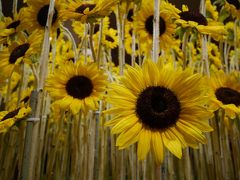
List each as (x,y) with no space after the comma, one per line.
(158,107)
(9,26)
(110,38)
(197,21)
(19,51)
(144,24)
(129,39)
(230,36)
(35,15)
(233,6)
(62,54)
(214,55)
(79,28)
(15,81)
(8,119)
(87,11)
(22,99)
(211,10)
(77,86)
(225,93)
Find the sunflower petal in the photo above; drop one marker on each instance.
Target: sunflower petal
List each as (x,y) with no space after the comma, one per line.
(144,143)
(129,136)
(157,145)
(173,144)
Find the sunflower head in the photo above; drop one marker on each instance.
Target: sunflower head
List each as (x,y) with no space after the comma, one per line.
(88,11)
(225,93)
(193,16)
(36,14)
(9,118)
(143,22)
(9,27)
(233,6)
(77,86)
(158,107)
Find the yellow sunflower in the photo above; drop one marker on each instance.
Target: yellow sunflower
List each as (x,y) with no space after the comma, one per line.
(214,55)
(144,24)
(110,38)
(233,6)
(8,119)
(87,11)
(8,27)
(77,86)
(79,28)
(35,15)
(129,39)
(15,79)
(62,54)
(158,107)
(19,51)
(231,34)
(225,93)
(211,10)
(197,21)
(22,99)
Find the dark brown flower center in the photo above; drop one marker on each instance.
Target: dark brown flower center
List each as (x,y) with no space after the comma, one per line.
(157,108)
(130,15)
(79,87)
(25,100)
(96,28)
(109,38)
(10,114)
(82,8)
(149,25)
(228,96)
(18,52)
(194,16)
(236,3)
(14,24)
(71,59)
(43,15)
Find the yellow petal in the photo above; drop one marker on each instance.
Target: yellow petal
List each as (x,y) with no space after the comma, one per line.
(124,124)
(144,143)
(157,145)
(173,144)
(190,131)
(4,125)
(75,106)
(65,102)
(129,137)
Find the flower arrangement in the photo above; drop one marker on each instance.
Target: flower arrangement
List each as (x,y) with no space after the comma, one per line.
(116,89)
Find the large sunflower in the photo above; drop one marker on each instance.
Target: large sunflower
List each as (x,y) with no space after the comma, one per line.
(225,93)
(77,86)
(19,51)
(87,11)
(158,107)
(144,24)
(35,15)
